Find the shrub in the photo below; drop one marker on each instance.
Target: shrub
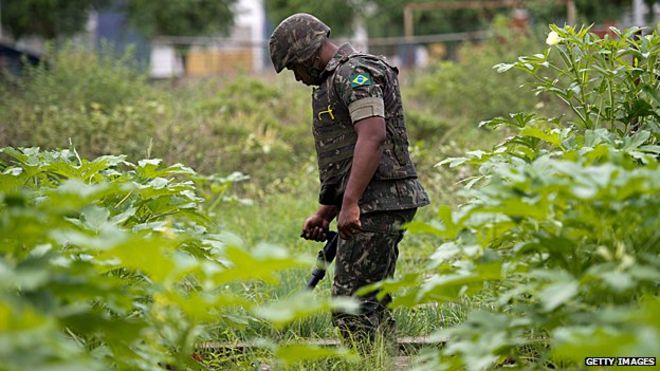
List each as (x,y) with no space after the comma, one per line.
(110,264)
(560,235)
(466,91)
(104,106)
(73,77)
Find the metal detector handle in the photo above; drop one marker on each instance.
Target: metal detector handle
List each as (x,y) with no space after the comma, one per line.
(325,257)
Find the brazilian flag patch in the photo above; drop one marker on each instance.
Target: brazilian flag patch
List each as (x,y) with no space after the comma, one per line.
(360,79)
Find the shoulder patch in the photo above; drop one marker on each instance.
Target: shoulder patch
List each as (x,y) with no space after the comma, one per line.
(360,79)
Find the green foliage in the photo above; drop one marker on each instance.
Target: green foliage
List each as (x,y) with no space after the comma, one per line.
(560,234)
(468,91)
(386,19)
(181,17)
(549,11)
(338,14)
(46,18)
(111,264)
(108,81)
(104,105)
(607,82)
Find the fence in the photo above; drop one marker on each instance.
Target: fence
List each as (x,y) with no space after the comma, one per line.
(203,56)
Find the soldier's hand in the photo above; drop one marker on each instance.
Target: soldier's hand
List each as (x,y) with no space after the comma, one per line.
(315,228)
(348,223)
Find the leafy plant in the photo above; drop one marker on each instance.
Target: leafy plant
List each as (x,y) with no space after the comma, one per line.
(610,82)
(111,264)
(560,235)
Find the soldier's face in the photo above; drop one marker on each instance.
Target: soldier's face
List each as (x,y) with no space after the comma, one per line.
(301,72)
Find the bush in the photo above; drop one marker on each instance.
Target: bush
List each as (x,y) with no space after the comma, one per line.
(560,235)
(110,264)
(467,91)
(103,105)
(73,77)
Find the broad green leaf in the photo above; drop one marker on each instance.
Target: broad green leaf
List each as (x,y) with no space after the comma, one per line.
(556,294)
(153,256)
(636,140)
(291,354)
(95,218)
(445,252)
(302,305)
(244,266)
(618,281)
(576,343)
(550,137)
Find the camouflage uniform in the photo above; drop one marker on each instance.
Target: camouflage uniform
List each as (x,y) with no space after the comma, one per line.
(352,87)
(390,199)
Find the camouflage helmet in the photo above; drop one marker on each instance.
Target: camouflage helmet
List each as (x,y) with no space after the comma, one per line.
(296,39)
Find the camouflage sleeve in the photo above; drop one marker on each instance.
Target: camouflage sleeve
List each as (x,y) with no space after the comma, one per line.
(359,85)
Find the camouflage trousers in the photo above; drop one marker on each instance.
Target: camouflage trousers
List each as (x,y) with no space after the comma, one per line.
(367,258)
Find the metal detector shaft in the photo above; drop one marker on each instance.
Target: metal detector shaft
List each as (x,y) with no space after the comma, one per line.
(324,258)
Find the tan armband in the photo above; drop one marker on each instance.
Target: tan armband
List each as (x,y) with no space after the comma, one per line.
(366,107)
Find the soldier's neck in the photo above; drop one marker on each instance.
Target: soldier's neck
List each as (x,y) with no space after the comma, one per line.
(327,52)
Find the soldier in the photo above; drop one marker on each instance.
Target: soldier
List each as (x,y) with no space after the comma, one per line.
(367,178)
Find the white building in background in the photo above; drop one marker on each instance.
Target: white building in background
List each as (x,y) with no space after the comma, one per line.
(643,15)
(164,62)
(251,24)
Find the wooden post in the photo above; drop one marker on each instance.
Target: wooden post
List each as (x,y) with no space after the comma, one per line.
(638,13)
(409,8)
(571,12)
(0,19)
(408,30)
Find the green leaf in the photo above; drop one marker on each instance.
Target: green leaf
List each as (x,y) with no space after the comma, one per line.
(517,208)
(302,305)
(636,140)
(618,281)
(95,217)
(452,162)
(550,137)
(295,353)
(576,343)
(444,253)
(556,294)
(244,266)
(503,67)
(152,256)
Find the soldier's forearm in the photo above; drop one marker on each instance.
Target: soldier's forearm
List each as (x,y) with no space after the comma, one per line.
(366,157)
(327,212)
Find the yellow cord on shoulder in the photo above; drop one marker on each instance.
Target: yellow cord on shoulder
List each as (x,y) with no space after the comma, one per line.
(328,111)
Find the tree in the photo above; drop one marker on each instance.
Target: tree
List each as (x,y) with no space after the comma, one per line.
(388,19)
(340,15)
(181,17)
(553,11)
(46,18)
(56,18)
